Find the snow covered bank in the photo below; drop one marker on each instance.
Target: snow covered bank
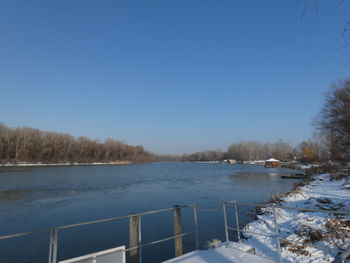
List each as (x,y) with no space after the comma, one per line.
(24,164)
(305,236)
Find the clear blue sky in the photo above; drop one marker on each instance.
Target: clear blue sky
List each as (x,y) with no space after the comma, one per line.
(173,75)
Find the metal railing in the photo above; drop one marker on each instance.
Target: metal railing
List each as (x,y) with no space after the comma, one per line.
(135,227)
(276,234)
(136,245)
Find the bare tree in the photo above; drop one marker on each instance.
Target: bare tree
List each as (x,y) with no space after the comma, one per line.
(334,120)
(282,150)
(27,144)
(209,155)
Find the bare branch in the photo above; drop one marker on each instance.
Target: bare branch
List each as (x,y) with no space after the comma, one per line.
(345,28)
(304,11)
(340,3)
(344,46)
(347,63)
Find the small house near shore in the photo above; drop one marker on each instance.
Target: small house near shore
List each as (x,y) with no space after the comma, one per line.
(272,163)
(231,161)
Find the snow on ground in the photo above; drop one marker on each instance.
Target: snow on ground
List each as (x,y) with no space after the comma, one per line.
(300,229)
(225,253)
(25,164)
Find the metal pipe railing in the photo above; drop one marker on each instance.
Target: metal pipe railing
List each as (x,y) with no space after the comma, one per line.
(53,246)
(277,232)
(91,222)
(237,222)
(196,225)
(225,222)
(53,241)
(139,239)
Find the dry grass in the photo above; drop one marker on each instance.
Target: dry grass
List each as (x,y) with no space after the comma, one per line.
(310,234)
(299,250)
(316,235)
(296,249)
(337,230)
(286,243)
(275,198)
(304,231)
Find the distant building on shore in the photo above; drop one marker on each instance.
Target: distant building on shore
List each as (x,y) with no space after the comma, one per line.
(272,163)
(231,161)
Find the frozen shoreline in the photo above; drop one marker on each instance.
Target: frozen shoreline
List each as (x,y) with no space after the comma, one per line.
(62,164)
(324,230)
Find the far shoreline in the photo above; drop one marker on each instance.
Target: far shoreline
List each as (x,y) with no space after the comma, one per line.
(23,164)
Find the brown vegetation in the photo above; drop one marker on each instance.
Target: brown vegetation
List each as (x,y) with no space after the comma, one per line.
(32,145)
(203,156)
(254,150)
(337,229)
(245,151)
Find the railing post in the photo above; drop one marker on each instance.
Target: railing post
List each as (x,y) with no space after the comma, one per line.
(139,240)
(225,221)
(196,225)
(177,231)
(277,235)
(134,238)
(53,245)
(237,222)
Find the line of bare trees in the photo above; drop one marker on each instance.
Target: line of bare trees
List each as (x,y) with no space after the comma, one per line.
(253,150)
(25,144)
(316,150)
(210,155)
(245,151)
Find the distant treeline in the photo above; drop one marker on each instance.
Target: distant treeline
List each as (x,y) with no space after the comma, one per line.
(313,150)
(331,140)
(26,144)
(245,151)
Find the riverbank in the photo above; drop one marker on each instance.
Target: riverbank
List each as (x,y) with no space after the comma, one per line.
(301,231)
(24,164)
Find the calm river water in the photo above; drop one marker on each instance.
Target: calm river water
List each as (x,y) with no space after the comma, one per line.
(43,197)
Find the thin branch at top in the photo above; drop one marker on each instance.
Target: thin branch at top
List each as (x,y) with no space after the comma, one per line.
(345,28)
(340,3)
(339,48)
(304,11)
